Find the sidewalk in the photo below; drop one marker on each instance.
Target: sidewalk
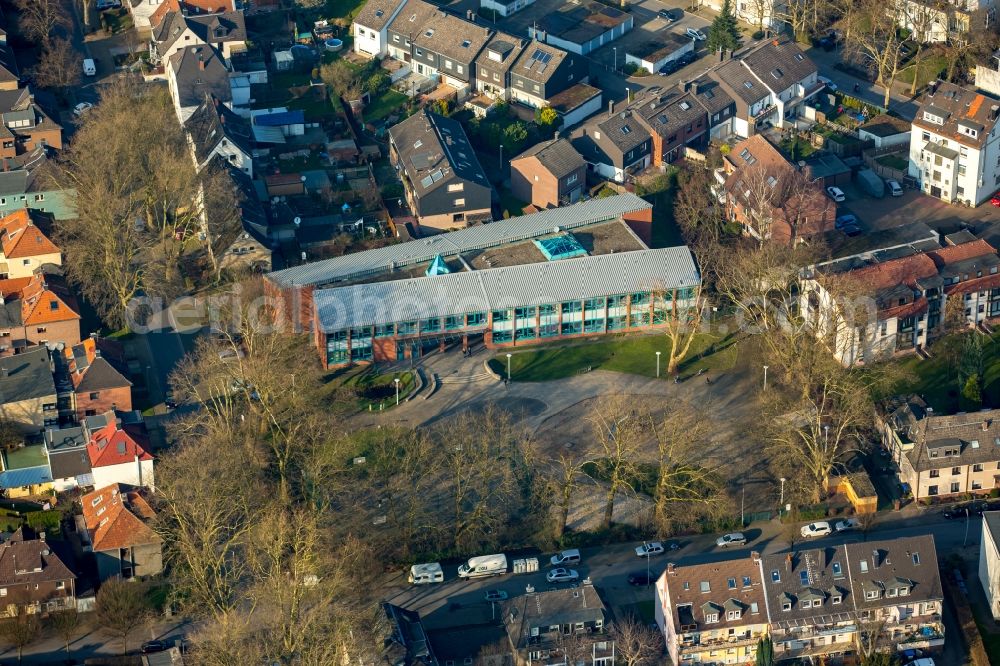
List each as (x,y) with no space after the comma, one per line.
(900,102)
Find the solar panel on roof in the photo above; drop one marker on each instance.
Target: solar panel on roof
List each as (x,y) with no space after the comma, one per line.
(437,175)
(426,181)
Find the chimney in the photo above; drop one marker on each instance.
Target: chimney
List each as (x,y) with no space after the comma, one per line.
(788,561)
(670,568)
(555,137)
(41,536)
(3,372)
(201,62)
(994,112)
(755,556)
(611,107)
(986,425)
(138,469)
(694,88)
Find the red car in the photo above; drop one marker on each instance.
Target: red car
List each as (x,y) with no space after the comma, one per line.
(995,201)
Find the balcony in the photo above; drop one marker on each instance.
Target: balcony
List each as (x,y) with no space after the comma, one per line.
(715,643)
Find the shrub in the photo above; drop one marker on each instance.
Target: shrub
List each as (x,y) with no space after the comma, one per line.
(759,34)
(44,520)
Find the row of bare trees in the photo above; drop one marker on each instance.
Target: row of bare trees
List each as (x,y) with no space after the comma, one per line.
(142,209)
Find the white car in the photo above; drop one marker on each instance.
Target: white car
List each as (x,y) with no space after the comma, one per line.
(733,539)
(561,575)
(819,529)
(847,525)
(831,86)
(82,108)
(697,35)
(895,189)
(836,194)
(648,549)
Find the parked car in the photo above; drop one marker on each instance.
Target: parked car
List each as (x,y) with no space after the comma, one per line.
(732,539)
(670,67)
(687,58)
(648,549)
(641,578)
(831,86)
(696,35)
(571,556)
(668,15)
(812,530)
(852,230)
(149,647)
(836,194)
(82,108)
(847,525)
(845,220)
(496,595)
(562,575)
(895,189)
(995,201)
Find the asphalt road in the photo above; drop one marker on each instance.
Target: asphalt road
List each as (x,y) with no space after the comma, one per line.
(457,602)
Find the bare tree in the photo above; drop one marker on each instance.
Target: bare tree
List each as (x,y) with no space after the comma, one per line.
(122,608)
(696,208)
(636,643)
(66,624)
(797,14)
(877,43)
(619,431)
(681,312)
(39,19)
(868,638)
(920,19)
(564,481)
(59,65)
(21,629)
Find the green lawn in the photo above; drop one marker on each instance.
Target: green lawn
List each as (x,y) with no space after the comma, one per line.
(893,162)
(28,456)
(631,355)
(936,378)
(343,8)
(797,148)
(931,68)
(384,105)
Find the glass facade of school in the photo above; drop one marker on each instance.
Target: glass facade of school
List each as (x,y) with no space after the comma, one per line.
(613,313)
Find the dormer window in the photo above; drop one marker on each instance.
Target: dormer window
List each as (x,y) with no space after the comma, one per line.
(932,117)
(836,599)
(711,618)
(786,606)
(733,615)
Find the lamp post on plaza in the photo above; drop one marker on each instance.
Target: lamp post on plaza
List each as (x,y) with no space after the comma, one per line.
(782,495)
(615,49)
(657,365)
(765,377)
(508,367)
(396,380)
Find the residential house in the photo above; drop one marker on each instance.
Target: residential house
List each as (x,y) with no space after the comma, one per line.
(436,44)
(96,368)
(445,185)
(248,247)
(576,103)
(25,126)
(718,105)
(370,27)
(495,63)
(549,174)
(194,73)
(909,291)
(559,626)
(935,22)
(505,7)
(214,130)
(653,55)
(954,148)
(48,313)
(33,576)
(10,77)
(989,561)
(940,454)
(712,613)
(21,187)
(770,82)
(99,452)
(148,13)
(654,129)
(27,391)
(819,599)
(115,527)
(25,247)
(542,71)
(406,641)
(226,32)
(582,27)
(769,197)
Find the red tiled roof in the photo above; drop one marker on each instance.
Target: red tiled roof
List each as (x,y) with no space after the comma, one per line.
(905,270)
(205,7)
(113,446)
(37,294)
(954,253)
(21,238)
(114,518)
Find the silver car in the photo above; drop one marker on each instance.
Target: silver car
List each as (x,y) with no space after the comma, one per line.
(731,539)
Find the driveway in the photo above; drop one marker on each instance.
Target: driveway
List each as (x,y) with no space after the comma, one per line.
(900,102)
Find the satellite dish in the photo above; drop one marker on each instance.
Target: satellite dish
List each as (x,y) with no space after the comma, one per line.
(297,221)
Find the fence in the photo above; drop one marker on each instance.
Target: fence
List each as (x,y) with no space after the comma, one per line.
(871,155)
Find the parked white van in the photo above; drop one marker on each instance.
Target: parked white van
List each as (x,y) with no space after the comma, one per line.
(89,68)
(423,574)
(566,557)
(484,565)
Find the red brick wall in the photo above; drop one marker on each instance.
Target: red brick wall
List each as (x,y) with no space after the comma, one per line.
(116,398)
(543,192)
(641,222)
(56,331)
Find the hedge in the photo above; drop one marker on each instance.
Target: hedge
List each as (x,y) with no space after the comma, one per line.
(44,520)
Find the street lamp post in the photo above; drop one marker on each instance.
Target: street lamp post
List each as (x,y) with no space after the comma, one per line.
(396,380)
(743,502)
(501,165)
(826,441)
(615,49)
(657,365)
(508,367)
(765,377)
(782,495)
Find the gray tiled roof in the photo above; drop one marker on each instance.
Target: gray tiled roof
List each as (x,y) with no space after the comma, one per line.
(670,111)
(213,122)
(375,14)
(539,61)
(209,28)
(558,156)
(195,82)
(912,559)
(740,80)
(451,36)
(711,95)
(791,578)
(495,234)
(26,376)
(506,47)
(378,303)
(624,130)
(548,608)
(778,63)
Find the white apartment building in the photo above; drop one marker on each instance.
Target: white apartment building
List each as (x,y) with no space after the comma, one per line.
(505,8)
(989,561)
(954,147)
(371,24)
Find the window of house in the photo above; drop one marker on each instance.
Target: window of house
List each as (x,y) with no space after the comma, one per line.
(711,618)
(838,571)
(733,615)
(746,581)
(95,395)
(935,473)
(836,599)
(40,329)
(978,467)
(456,187)
(732,583)
(786,606)
(60,585)
(705,586)
(932,490)
(871,594)
(39,197)
(775,576)
(954,487)
(459,69)
(955,470)
(459,202)
(572,179)
(863,565)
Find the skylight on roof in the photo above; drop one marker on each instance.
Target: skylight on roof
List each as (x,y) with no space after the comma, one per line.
(799,57)
(466,44)
(663,118)
(974,443)
(417,144)
(748,84)
(684,105)
(775,576)
(777,73)
(379,12)
(626,129)
(804,577)
(747,156)
(429,32)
